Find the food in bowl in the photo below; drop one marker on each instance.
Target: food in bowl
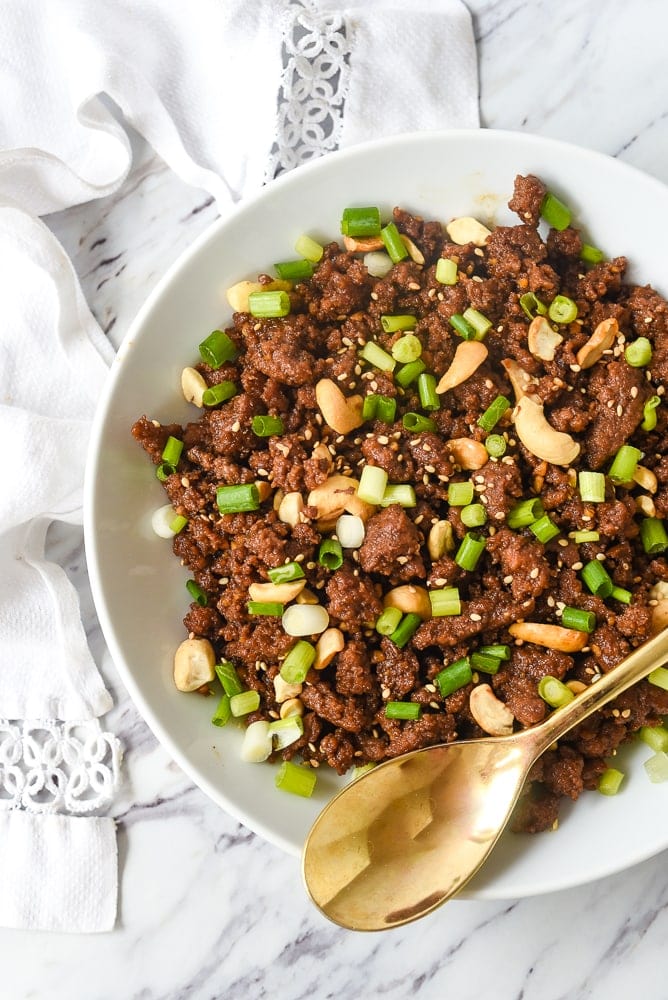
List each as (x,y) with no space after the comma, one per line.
(424,500)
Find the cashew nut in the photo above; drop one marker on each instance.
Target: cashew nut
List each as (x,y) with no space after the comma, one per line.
(290,509)
(283,690)
(645,478)
(263,489)
(542,339)
(413,252)
(193,386)
(541,439)
(577,687)
(468,230)
(336,494)
(492,715)
(469,355)
(567,640)
(467,453)
(520,380)
(410,599)
(363,244)
(601,340)
(659,591)
(293,706)
(328,645)
(440,540)
(321,453)
(306,596)
(283,593)
(237,295)
(659,617)
(194,663)
(646,505)
(343,414)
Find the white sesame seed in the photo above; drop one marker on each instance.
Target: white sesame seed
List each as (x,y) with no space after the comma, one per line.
(534,573)
(475,617)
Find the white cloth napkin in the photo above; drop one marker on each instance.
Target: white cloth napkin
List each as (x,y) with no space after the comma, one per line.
(228,93)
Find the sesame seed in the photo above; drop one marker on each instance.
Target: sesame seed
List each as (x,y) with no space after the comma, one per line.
(236,426)
(600,556)
(500,515)
(550,602)
(402,560)
(185,482)
(262,472)
(431,688)
(374,296)
(429,468)
(440,581)
(156,423)
(577,565)
(620,410)
(383,439)
(534,573)
(634,391)
(575,368)
(508,579)
(475,617)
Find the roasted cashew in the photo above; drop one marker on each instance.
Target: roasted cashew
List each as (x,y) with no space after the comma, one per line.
(336,495)
(440,540)
(467,453)
(293,706)
(601,340)
(659,617)
(283,690)
(410,599)
(321,453)
(469,355)
(541,439)
(194,663)
(343,414)
(542,340)
(567,640)
(328,645)
(290,509)
(520,380)
(492,715)
(645,478)
(193,386)
(282,593)
(362,244)
(468,230)
(237,295)
(414,252)
(645,504)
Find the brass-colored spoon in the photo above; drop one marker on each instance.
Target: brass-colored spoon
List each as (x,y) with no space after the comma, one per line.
(409,834)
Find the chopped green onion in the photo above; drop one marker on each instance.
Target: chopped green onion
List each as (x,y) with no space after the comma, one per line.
(473,515)
(217,349)
(309,249)
(525,513)
(597,579)
(554,692)
(555,213)
(659,677)
(370,406)
(298,662)
(372,484)
(219,393)
(178,524)
(265,426)
(402,710)
(639,353)
(624,464)
(229,678)
(562,309)
(407,349)
(286,731)
(462,327)
(330,553)
(453,677)
(483,661)
(406,629)
(590,254)
(361,769)
(391,324)
(544,529)
(649,413)
(493,413)
(387,409)
(416,423)
(460,494)
(360,221)
(496,445)
(446,271)
(469,551)
(406,375)
(164,470)
(196,592)
(223,711)
(591,486)
(657,767)
(237,499)
(478,321)
(286,573)
(578,619)
(620,594)
(402,494)
(656,737)
(445,602)
(532,305)
(269,608)
(584,536)
(500,652)
(394,244)
(294,270)
(653,535)
(429,401)
(171,453)
(388,621)
(295,779)
(610,781)
(244,703)
(377,357)
(269,305)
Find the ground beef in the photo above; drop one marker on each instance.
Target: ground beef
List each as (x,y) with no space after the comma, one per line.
(278,363)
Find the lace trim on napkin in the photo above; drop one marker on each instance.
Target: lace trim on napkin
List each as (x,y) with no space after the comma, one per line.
(314,84)
(57,766)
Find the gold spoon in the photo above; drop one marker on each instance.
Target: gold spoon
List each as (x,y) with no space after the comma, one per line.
(409,834)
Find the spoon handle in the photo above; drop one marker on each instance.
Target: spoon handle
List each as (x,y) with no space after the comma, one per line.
(639,664)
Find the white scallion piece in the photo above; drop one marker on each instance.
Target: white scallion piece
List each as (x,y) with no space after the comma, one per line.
(162,520)
(657,767)
(377,263)
(256,746)
(286,731)
(305,619)
(350,531)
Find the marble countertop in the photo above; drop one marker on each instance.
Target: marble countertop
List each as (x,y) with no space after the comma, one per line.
(207,909)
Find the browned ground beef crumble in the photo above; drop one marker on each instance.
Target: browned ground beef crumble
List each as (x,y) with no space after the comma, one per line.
(279,363)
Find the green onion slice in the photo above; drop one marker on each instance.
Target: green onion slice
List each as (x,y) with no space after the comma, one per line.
(496,445)
(493,413)
(624,464)
(330,553)
(407,349)
(610,781)
(478,321)
(446,271)
(407,375)
(483,661)
(265,426)
(460,494)
(294,270)
(164,470)
(554,692)
(360,221)
(286,573)
(597,579)
(217,349)
(295,779)
(229,678)
(462,327)
(270,608)
(237,499)
(655,737)
(402,710)
(298,662)
(399,493)
(473,515)
(416,423)
(391,324)
(555,213)
(219,393)
(429,400)
(286,731)
(525,513)
(405,630)
(244,703)
(373,481)
(223,712)
(377,357)
(653,535)
(501,652)
(544,529)
(386,410)
(196,592)
(469,552)
(591,486)
(562,309)
(309,249)
(620,594)
(639,353)
(579,537)
(649,413)
(590,254)
(171,453)
(269,304)
(578,619)
(532,306)
(453,677)
(388,621)
(178,524)
(394,244)
(445,602)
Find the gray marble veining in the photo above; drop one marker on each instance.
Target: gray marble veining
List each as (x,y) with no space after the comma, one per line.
(208,910)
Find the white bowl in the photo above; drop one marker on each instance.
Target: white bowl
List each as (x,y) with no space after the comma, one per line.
(138,584)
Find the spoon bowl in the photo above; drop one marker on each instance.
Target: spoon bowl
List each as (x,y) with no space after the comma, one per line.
(409,834)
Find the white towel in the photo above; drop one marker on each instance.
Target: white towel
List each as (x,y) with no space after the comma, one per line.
(229,94)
